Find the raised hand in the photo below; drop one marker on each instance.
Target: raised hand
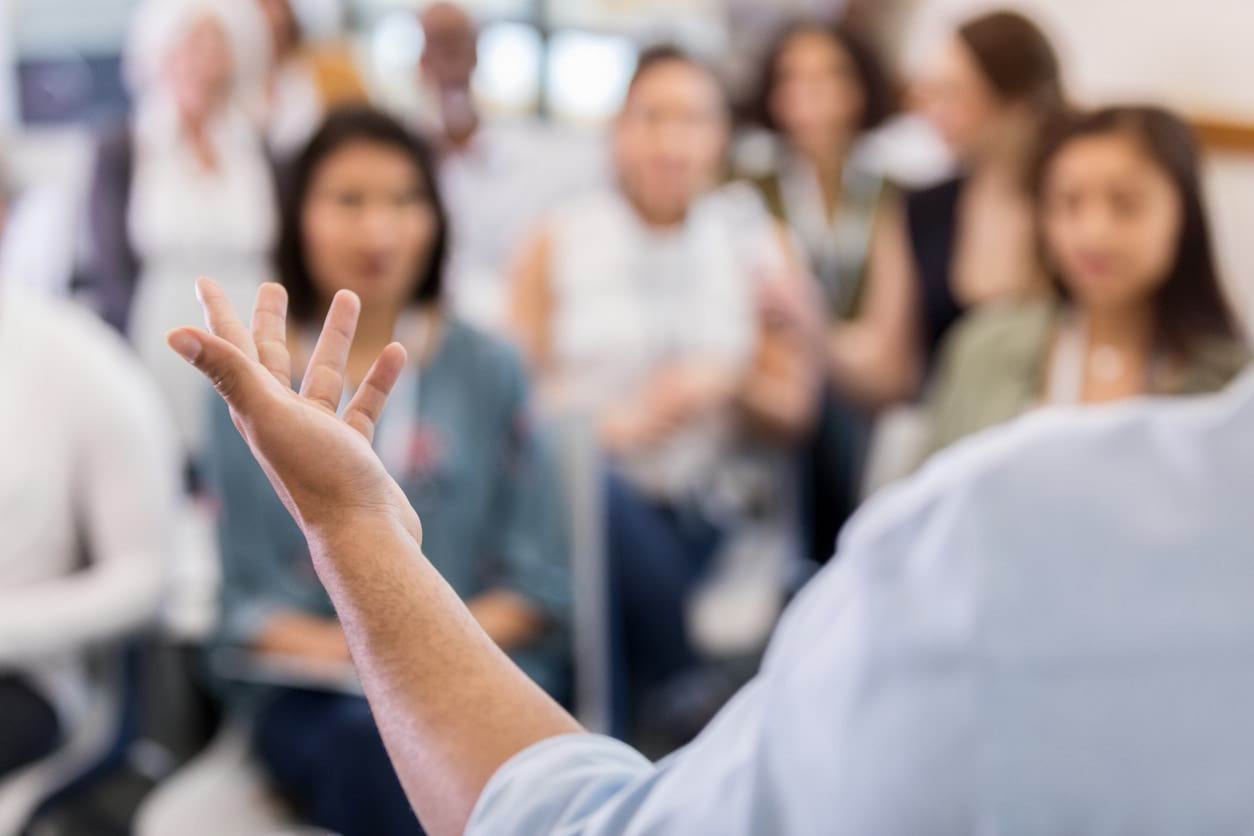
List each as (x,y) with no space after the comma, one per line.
(320,463)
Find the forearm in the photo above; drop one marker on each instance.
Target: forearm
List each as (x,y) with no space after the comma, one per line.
(865,369)
(779,400)
(451,706)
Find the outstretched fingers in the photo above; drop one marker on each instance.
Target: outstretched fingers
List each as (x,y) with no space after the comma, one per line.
(324,379)
(372,395)
(270,332)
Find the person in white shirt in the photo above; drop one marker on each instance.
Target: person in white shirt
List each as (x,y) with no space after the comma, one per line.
(499,176)
(88,477)
(1048,631)
(639,308)
(186,185)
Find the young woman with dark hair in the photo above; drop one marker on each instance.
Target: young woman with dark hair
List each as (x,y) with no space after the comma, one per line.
(822,89)
(1140,306)
(361,213)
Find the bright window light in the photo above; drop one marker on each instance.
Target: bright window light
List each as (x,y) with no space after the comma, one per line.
(508,76)
(588,74)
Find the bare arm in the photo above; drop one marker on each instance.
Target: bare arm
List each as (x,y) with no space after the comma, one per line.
(874,360)
(780,395)
(451,706)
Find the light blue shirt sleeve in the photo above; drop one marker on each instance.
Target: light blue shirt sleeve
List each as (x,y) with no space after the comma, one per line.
(782,757)
(1001,648)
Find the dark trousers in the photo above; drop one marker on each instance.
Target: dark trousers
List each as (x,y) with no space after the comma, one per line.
(326,757)
(657,554)
(29,730)
(832,466)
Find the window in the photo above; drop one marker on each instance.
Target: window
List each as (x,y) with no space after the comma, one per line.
(588,74)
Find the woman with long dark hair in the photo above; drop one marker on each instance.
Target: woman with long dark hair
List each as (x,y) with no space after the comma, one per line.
(822,89)
(1140,306)
(362,213)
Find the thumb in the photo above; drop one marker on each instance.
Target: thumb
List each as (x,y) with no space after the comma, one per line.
(227,368)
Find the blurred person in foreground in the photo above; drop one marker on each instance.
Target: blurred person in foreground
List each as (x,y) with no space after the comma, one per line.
(1048,631)
(822,91)
(1140,307)
(363,213)
(185,184)
(88,477)
(302,83)
(666,312)
(499,175)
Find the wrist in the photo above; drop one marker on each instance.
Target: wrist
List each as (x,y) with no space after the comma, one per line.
(350,526)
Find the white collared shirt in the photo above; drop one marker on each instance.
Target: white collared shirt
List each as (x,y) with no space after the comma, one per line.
(1050,630)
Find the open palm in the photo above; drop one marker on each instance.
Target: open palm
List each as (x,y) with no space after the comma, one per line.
(320,463)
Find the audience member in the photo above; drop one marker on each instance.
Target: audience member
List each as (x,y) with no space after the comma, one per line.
(822,90)
(499,176)
(1140,309)
(990,94)
(184,187)
(964,242)
(87,488)
(303,81)
(637,307)
(363,213)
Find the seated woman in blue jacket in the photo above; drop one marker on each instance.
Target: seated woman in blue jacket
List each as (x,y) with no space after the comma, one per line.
(362,213)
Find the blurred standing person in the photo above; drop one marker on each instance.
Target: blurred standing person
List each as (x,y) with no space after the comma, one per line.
(185,186)
(89,470)
(822,90)
(498,176)
(302,83)
(363,213)
(1141,308)
(637,306)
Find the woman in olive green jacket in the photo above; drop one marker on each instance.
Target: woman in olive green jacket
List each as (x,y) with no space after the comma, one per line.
(1139,308)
